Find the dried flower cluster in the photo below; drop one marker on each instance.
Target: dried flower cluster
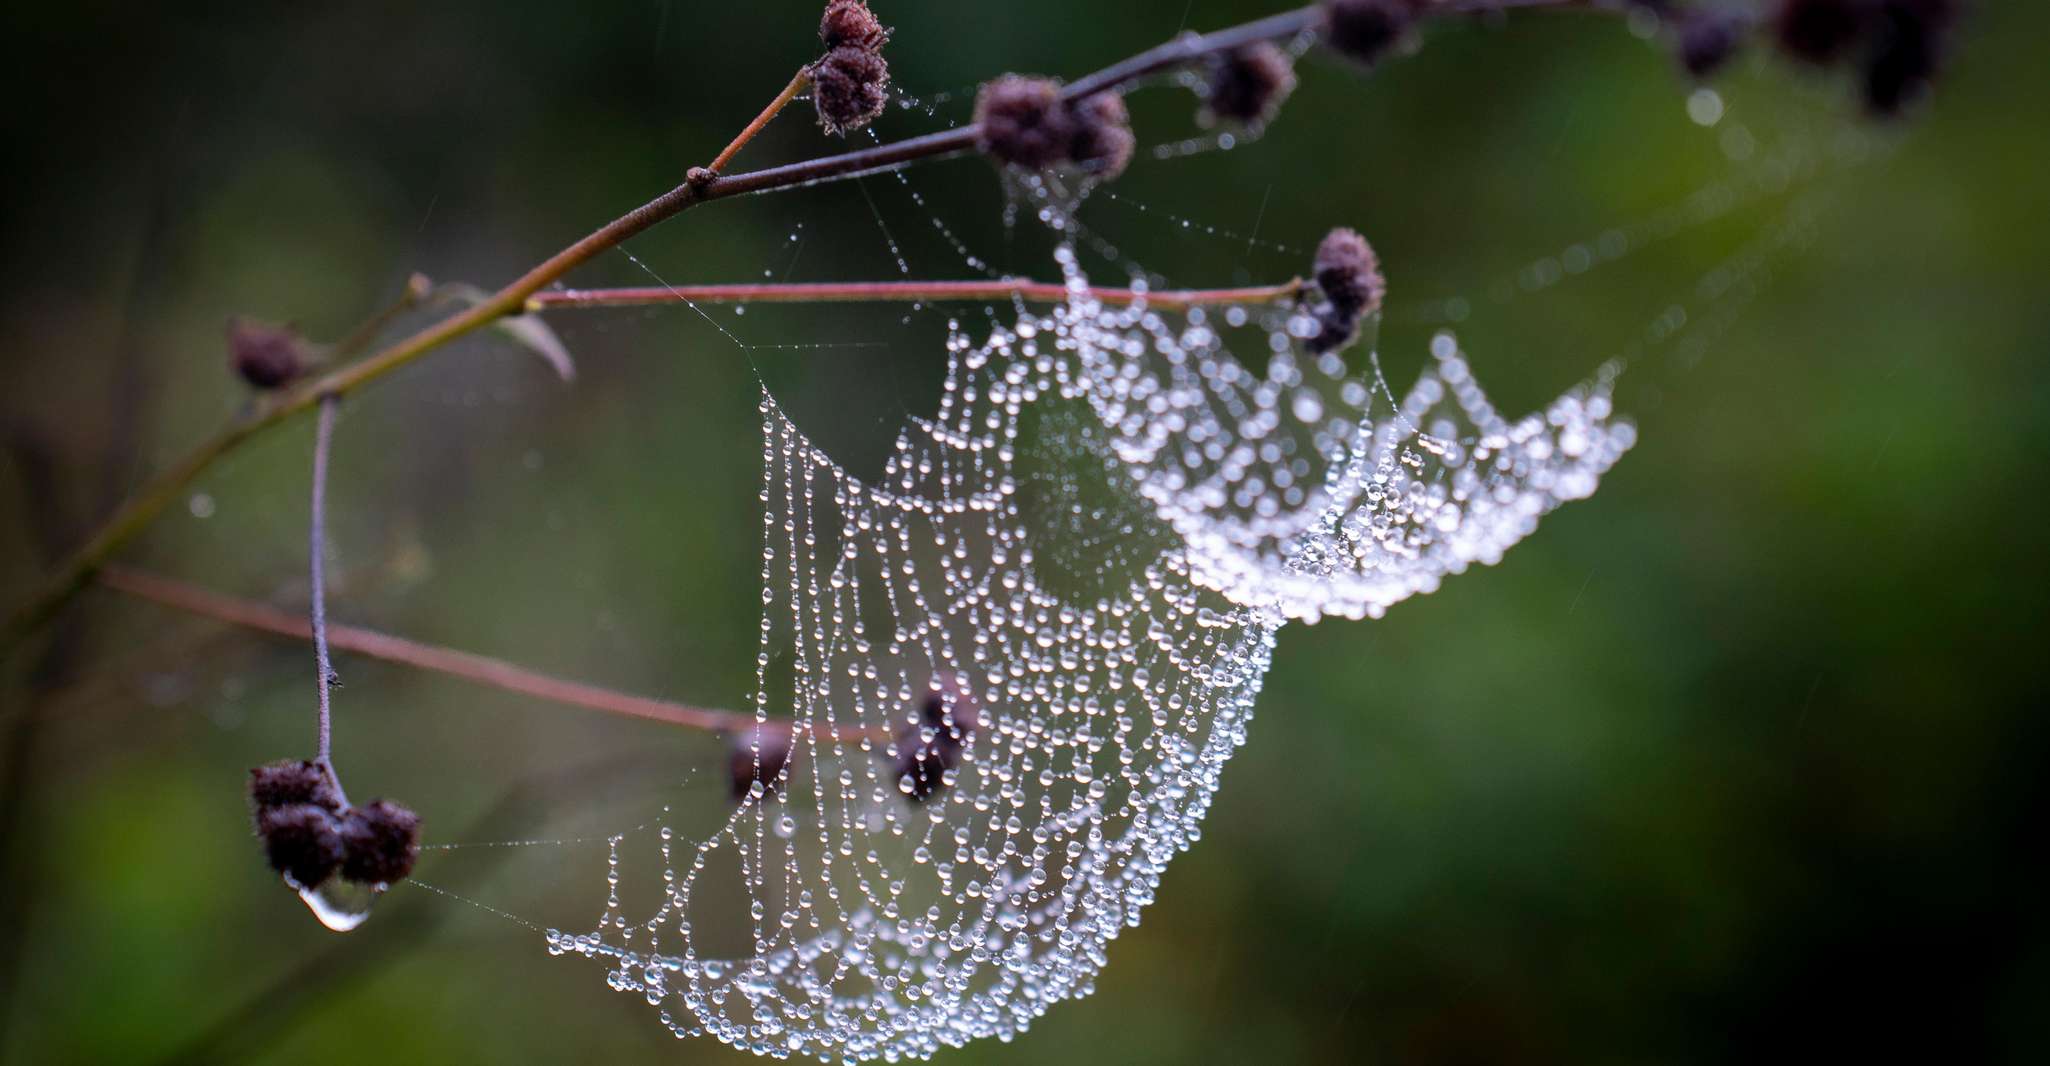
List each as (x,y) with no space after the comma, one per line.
(1024,122)
(929,751)
(1364,30)
(757,757)
(264,355)
(1248,85)
(1895,47)
(309,834)
(851,82)
(1348,274)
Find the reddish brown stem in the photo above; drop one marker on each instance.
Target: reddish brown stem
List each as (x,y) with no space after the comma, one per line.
(899,292)
(496,673)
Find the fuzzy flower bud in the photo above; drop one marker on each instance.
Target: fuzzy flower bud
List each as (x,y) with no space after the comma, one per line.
(1911,37)
(1103,142)
(931,748)
(1349,273)
(850,87)
(747,765)
(1706,41)
(1023,122)
(1364,30)
(380,842)
(292,782)
(850,22)
(1820,31)
(264,355)
(301,842)
(1248,84)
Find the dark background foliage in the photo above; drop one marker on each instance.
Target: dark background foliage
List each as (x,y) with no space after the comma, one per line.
(1741,759)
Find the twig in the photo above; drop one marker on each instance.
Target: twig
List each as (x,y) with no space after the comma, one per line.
(700,187)
(323,445)
(496,673)
(417,289)
(899,291)
(797,83)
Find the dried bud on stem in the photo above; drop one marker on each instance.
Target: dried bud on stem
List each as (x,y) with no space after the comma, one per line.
(1364,30)
(930,749)
(266,356)
(380,842)
(1706,41)
(1349,275)
(292,782)
(1819,31)
(758,755)
(1249,84)
(851,23)
(1025,123)
(1103,143)
(301,842)
(850,88)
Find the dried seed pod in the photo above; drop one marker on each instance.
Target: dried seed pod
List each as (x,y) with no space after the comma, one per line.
(1103,141)
(850,88)
(1364,30)
(266,356)
(931,748)
(291,782)
(300,841)
(1911,37)
(1706,41)
(380,842)
(1249,84)
(747,765)
(850,22)
(1820,31)
(1022,122)
(1349,274)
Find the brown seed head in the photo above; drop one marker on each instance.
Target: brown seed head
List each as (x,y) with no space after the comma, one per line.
(850,22)
(300,841)
(1103,142)
(745,769)
(1022,122)
(1364,30)
(292,782)
(1349,273)
(850,88)
(931,748)
(1820,31)
(1249,84)
(380,842)
(264,355)
(1706,41)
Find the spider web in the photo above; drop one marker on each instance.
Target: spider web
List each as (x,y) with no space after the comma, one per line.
(1014,666)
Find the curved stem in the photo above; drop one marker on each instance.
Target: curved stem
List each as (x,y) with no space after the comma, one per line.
(483,670)
(698,187)
(899,292)
(323,445)
(797,83)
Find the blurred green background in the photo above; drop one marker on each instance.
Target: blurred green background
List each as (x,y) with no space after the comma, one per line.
(1741,759)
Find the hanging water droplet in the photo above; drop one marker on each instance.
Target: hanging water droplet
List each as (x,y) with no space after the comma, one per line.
(340,905)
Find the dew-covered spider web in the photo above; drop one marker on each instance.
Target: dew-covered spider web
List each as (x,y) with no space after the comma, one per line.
(998,682)
(1014,666)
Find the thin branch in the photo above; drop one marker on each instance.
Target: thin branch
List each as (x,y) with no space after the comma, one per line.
(699,187)
(483,670)
(899,292)
(797,83)
(417,289)
(323,446)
